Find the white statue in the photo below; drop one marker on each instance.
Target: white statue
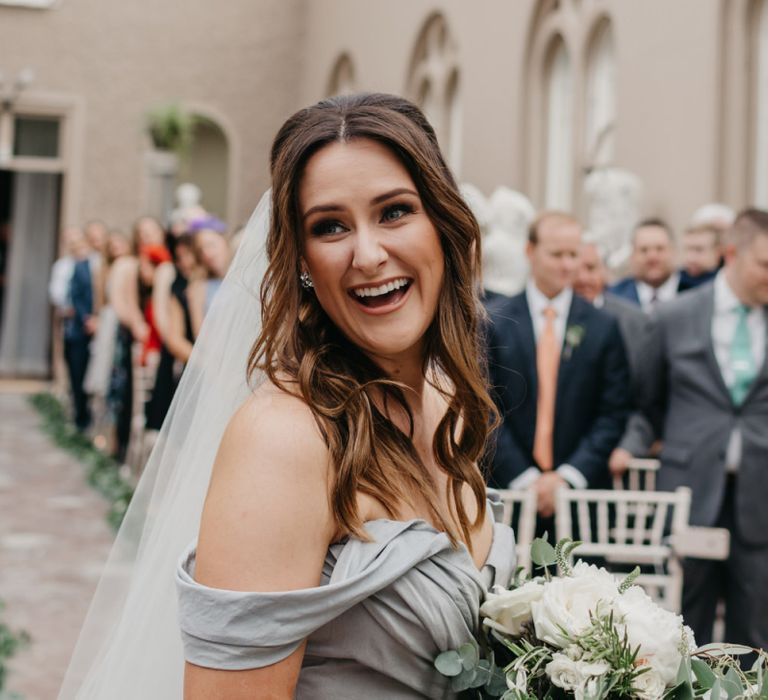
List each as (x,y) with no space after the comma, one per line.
(505,265)
(715,214)
(188,207)
(613,200)
(478,203)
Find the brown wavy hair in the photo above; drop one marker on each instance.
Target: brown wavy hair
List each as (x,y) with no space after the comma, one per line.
(349,395)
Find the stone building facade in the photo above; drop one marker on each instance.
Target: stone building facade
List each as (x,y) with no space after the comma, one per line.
(531,94)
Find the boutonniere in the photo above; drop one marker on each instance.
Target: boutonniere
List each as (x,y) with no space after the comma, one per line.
(574,334)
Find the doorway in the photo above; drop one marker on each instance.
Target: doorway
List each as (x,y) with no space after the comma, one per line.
(29,216)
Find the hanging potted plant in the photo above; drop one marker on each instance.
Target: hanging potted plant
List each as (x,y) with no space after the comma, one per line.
(170,130)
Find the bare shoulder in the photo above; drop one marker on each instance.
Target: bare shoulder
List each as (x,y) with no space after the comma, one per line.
(124,266)
(267,521)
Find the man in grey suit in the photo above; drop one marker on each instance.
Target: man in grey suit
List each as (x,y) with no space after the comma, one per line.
(710,393)
(590,283)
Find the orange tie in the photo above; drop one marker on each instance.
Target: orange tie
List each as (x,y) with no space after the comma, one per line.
(547,365)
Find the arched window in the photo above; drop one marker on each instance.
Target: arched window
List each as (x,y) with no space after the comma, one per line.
(206,164)
(455,122)
(760,194)
(559,135)
(433,83)
(342,81)
(600,99)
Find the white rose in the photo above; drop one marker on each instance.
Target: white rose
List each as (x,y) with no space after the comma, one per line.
(508,611)
(649,685)
(572,675)
(568,602)
(658,632)
(564,673)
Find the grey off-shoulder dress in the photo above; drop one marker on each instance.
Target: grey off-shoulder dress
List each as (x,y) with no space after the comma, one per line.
(383,611)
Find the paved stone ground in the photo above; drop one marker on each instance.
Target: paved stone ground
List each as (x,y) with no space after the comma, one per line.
(53,541)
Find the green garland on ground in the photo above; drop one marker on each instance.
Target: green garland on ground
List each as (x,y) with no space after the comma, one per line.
(10,643)
(103,471)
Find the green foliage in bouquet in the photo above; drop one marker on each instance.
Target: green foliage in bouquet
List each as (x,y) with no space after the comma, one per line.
(10,643)
(583,634)
(103,471)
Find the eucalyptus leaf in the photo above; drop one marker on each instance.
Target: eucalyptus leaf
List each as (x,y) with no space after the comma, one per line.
(470,655)
(705,677)
(732,684)
(449,663)
(543,553)
(682,691)
(464,681)
(718,649)
(684,671)
(497,685)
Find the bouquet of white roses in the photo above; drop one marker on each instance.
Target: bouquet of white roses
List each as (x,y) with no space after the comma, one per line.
(588,636)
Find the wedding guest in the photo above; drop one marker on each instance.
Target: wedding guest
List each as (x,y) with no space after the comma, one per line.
(176,335)
(701,255)
(100,366)
(61,273)
(79,326)
(590,283)
(654,278)
(150,258)
(127,294)
(213,256)
(97,236)
(706,367)
(147,231)
(560,375)
(180,335)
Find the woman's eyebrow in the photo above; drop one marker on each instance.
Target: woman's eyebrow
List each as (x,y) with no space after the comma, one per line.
(393,193)
(376,200)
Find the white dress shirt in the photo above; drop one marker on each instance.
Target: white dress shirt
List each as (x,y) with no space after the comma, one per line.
(537,302)
(666,292)
(58,287)
(724,321)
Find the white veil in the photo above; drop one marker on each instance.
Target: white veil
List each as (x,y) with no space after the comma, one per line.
(130,645)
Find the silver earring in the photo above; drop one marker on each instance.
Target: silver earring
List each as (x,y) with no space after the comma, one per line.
(306,280)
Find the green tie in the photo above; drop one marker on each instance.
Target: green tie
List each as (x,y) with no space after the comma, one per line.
(742,362)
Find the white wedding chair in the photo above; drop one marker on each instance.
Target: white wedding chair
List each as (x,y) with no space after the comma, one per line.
(625,529)
(640,476)
(520,513)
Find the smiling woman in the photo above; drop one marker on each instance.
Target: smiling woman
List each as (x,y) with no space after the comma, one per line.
(345,539)
(374,255)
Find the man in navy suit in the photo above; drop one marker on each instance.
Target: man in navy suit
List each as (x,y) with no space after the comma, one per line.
(79,327)
(654,278)
(567,442)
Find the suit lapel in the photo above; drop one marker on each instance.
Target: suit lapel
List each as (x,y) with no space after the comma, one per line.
(527,342)
(762,375)
(704,331)
(576,317)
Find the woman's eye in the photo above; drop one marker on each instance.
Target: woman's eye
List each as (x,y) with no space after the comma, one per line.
(327,228)
(396,211)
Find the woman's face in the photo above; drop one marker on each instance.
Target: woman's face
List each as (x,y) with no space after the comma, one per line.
(149,232)
(118,246)
(185,259)
(214,252)
(373,253)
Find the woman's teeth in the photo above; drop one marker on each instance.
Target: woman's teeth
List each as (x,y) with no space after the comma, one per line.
(381,289)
